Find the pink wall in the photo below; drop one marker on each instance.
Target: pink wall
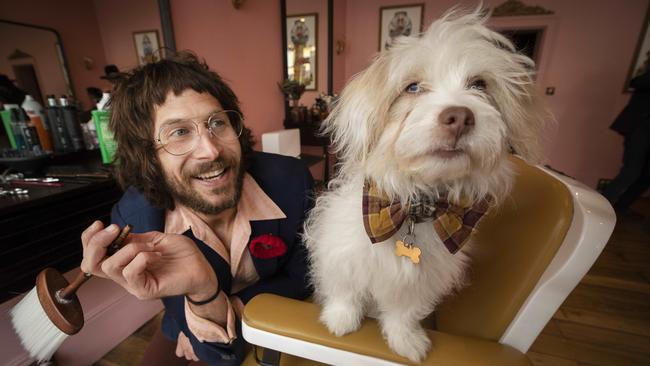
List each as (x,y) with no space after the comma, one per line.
(241,45)
(116,27)
(77,25)
(340,39)
(586,60)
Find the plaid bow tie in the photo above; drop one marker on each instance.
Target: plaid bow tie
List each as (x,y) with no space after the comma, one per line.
(453,223)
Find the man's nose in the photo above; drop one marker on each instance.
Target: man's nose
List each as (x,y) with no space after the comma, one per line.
(456,120)
(207,146)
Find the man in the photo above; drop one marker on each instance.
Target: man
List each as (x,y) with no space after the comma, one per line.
(231,217)
(634,124)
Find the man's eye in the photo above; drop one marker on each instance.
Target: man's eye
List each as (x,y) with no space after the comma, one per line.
(179,132)
(413,88)
(216,123)
(478,84)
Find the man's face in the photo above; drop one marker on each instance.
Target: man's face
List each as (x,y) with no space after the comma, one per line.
(209,178)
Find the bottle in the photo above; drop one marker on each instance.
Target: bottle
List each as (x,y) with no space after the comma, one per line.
(57,126)
(32,107)
(103,103)
(71,123)
(43,135)
(32,143)
(37,116)
(101,117)
(16,130)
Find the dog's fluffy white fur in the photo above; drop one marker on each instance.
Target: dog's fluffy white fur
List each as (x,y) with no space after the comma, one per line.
(387,128)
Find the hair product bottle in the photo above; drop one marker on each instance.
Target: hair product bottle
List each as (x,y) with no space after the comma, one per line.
(101,117)
(37,116)
(17,130)
(71,123)
(57,126)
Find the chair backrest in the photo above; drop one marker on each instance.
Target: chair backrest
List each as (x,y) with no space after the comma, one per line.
(520,252)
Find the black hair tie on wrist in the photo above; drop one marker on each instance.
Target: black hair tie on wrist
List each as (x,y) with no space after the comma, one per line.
(203,302)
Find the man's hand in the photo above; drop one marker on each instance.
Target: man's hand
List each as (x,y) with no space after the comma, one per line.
(150,265)
(184,348)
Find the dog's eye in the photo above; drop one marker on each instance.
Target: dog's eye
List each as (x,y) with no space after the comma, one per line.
(478,84)
(413,88)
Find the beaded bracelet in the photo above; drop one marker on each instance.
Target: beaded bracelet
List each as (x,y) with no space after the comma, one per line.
(203,302)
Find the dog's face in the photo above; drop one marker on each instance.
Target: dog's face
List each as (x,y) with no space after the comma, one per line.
(440,112)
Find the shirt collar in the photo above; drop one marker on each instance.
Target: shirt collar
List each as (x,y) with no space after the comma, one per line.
(255,205)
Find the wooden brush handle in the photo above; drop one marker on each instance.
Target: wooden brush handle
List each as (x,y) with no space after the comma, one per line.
(71,289)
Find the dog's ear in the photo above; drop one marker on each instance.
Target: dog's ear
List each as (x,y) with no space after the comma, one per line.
(527,121)
(360,113)
(519,100)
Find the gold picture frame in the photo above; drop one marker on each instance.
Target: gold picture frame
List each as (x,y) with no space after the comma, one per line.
(147,46)
(399,20)
(302,49)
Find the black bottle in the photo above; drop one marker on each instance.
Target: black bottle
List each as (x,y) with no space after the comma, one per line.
(71,124)
(61,141)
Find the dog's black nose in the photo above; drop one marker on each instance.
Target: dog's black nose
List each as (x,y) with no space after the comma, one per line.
(457,120)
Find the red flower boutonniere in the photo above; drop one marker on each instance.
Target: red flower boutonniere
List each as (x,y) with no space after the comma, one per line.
(267,246)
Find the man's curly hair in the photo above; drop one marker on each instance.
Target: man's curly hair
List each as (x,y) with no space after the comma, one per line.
(133,101)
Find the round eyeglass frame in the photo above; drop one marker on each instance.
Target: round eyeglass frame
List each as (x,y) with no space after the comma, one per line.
(228,113)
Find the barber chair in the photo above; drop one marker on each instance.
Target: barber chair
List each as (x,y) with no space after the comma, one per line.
(531,253)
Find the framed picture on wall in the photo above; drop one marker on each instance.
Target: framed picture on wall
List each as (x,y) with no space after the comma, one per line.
(302,49)
(147,46)
(395,21)
(641,60)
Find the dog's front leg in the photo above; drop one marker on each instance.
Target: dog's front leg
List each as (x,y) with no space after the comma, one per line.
(342,313)
(400,326)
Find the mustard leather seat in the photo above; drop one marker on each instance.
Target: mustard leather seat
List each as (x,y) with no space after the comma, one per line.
(529,254)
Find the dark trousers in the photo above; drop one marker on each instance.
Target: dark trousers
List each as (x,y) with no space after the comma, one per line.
(634,178)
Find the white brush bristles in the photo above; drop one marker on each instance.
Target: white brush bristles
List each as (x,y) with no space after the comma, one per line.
(38,335)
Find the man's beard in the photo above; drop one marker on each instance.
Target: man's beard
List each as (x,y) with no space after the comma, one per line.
(184,195)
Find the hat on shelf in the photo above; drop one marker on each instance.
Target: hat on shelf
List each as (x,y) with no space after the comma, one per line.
(111,72)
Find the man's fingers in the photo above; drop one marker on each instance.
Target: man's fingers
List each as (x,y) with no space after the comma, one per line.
(135,275)
(114,265)
(184,348)
(94,246)
(90,231)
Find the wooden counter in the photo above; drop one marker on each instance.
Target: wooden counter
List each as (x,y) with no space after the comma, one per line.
(43,229)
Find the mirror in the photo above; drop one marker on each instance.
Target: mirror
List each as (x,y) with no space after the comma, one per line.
(109,37)
(33,57)
(307,44)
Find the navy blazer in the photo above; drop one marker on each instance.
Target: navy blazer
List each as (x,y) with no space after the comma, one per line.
(289,184)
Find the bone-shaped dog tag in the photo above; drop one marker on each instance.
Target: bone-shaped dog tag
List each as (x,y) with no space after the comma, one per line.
(411,251)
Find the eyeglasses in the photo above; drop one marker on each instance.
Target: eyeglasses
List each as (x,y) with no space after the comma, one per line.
(183,136)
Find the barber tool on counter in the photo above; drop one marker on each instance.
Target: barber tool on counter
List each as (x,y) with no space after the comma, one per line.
(51,311)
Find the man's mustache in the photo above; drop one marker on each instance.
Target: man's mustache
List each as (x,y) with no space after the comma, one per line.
(218,164)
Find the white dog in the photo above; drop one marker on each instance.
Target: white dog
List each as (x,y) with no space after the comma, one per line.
(433,119)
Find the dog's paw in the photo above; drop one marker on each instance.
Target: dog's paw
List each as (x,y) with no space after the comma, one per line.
(410,343)
(340,319)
